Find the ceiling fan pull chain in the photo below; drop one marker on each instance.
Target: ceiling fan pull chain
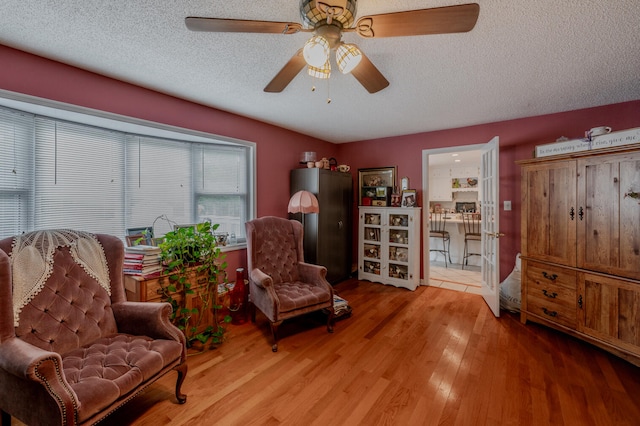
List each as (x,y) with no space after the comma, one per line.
(329,90)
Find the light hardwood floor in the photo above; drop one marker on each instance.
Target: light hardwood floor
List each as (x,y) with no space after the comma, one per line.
(433,356)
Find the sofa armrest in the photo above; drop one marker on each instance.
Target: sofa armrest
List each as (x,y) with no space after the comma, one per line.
(21,358)
(32,364)
(260,278)
(313,274)
(149,319)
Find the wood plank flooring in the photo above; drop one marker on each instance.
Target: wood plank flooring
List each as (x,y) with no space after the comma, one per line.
(429,357)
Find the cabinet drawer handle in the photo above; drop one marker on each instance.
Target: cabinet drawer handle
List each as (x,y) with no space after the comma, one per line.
(580,213)
(551,277)
(550,313)
(550,295)
(580,301)
(572,213)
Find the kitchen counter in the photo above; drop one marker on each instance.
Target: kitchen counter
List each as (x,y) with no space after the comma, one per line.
(455,227)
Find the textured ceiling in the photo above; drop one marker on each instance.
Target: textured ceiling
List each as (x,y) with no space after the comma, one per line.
(523,58)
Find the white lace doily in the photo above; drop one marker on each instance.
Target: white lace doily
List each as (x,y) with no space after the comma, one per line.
(32,262)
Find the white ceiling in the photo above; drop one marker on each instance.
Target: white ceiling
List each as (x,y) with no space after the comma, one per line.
(456,159)
(523,58)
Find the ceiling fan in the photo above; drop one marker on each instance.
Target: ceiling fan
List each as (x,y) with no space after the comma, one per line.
(328,19)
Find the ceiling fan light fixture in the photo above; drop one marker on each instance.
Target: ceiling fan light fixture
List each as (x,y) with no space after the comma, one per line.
(322,72)
(348,56)
(316,51)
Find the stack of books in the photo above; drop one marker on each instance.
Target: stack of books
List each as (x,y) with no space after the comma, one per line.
(341,308)
(142,260)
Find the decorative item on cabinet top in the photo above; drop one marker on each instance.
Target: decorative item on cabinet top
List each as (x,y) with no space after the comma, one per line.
(307,157)
(376,185)
(596,138)
(404,183)
(409,198)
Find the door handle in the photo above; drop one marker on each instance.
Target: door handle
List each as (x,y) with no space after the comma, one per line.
(495,234)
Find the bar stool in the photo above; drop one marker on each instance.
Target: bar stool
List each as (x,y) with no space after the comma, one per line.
(472,232)
(437,230)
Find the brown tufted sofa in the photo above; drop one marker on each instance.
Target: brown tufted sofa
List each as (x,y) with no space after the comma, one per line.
(281,284)
(77,354)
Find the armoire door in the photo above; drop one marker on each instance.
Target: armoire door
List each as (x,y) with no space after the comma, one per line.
(334,229)
(549,212)
(608,231)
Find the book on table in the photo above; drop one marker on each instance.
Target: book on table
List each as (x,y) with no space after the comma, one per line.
(141,256)
(142,270)
(143,249)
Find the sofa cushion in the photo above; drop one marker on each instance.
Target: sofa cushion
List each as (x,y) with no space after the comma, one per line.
(296,295)
(111,367)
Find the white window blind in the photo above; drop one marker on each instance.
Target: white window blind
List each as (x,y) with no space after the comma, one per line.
(16,171)
(60,174)
(158,183)
(79,173)
(220,186)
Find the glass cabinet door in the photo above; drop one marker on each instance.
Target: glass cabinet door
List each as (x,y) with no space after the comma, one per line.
(373,219)
(372,234)
(399,246)
(399,220)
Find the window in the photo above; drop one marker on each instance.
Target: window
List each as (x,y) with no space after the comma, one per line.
(16,171)
(60,174)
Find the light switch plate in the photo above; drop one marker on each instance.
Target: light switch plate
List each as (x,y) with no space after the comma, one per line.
(507,205)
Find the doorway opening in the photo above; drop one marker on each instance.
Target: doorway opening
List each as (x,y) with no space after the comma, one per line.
(451,182)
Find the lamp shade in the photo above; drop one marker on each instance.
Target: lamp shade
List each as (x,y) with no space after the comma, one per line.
(316,51)
(348,56)
(303,202)
(321,73)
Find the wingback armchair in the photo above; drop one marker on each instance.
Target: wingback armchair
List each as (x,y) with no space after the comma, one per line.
(72,349)
(281,284)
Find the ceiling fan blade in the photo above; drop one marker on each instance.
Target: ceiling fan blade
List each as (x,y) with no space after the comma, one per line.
(439,20)
(241,26)
(369,76)
(287,73)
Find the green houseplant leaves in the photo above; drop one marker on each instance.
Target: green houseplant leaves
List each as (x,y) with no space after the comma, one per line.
(185,250)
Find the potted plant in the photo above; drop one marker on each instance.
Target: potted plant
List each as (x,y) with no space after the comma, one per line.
(187,253)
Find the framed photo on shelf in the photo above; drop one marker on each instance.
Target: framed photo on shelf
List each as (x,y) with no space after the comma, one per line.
(409,198)
(143,235)
(375,177)
(396,199)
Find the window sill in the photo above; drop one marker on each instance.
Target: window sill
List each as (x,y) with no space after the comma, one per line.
(229,247)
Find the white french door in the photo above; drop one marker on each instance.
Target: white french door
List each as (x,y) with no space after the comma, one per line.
(490,226)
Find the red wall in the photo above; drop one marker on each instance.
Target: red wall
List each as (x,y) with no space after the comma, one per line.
(518,139)
(278,149)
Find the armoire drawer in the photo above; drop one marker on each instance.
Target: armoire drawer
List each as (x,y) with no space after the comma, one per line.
(551,293)
(543,274)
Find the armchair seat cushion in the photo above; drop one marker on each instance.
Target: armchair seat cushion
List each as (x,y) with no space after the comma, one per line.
(297,295)
(111,367)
